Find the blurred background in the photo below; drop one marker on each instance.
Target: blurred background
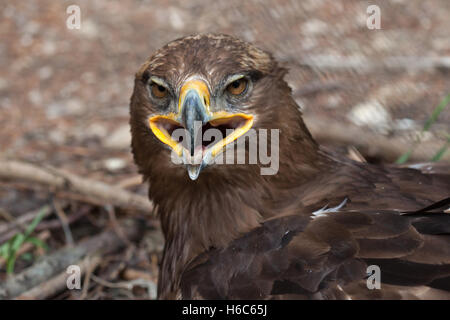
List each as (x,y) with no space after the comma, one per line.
(64,97)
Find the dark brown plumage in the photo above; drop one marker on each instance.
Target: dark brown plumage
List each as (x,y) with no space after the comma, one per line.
(234,233)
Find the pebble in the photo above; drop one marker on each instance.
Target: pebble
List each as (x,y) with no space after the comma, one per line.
(371,114)
(69,107)
(114,164)
(119,139)
(314,27)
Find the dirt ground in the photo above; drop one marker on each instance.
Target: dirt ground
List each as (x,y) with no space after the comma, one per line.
(64,93)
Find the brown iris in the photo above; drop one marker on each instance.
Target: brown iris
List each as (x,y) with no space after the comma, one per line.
(238,86)
(158,91)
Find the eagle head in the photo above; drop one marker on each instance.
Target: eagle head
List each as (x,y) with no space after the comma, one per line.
(196,96)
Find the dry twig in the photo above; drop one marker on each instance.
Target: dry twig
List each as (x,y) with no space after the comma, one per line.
(129,285)
(55,263)
(64,222)
(56,284)
(7,231)
(89,272)
(61,180)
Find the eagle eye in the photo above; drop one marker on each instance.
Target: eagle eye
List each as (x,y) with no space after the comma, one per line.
(158,91)
(238,87)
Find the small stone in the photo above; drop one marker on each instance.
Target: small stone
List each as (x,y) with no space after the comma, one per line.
(70,107)
(26,40)
(405,124)
(96,130)
(371,114)
(45,72)
(175,19)
(48,47)
(115,164)
(35,97)
(314,27)
(89,29)
(3,84)
(119,139)
(32,27)
(333,101)
(57,137)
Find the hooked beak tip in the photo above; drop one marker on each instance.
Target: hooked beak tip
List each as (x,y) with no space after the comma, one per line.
(194,171)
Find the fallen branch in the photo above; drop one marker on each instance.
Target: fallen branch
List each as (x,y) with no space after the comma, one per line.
(87,278)
(64,222)
(71,218)
(58,283)
(133,274)
(130,182)
(63,181)
(8,230)
(6,215)
(22,221)
(367,64)
(51,265)
(129,285)
(369,144)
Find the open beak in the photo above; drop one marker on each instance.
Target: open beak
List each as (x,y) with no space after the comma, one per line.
(195,117)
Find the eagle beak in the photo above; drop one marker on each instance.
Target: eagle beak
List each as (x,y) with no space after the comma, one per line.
(194,102)
(195,116)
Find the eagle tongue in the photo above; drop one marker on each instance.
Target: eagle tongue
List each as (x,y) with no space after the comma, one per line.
(194,170)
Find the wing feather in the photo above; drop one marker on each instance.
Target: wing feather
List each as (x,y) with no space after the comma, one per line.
(327,257)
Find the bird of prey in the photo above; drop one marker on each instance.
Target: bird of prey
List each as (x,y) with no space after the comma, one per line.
(308,231)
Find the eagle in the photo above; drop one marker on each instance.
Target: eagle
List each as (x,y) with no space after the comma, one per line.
(312,229)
